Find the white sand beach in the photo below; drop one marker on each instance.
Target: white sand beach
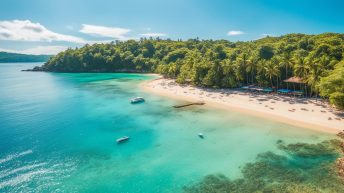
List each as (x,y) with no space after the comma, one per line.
(307,113)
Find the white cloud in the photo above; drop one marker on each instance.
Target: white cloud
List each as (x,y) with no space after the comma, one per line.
(25,30)
(112,32)
(235,33)
(153,34)
(267,35)
(48,50)
(91,42)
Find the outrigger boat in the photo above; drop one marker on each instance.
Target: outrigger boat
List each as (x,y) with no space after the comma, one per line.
(122,139)
(137,100)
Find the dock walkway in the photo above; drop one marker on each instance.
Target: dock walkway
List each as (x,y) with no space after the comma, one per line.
(189,104)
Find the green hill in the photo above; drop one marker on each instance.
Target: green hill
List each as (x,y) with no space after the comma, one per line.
(15,57)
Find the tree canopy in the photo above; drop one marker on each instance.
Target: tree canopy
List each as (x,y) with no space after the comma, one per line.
(316,59)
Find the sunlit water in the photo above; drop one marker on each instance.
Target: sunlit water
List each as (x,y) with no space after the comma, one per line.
(58,132)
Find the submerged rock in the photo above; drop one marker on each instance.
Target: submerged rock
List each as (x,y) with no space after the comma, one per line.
(340,166)
(341,134)
(325,148)
(304,168)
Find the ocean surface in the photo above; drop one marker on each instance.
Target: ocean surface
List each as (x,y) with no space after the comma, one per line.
(58,134)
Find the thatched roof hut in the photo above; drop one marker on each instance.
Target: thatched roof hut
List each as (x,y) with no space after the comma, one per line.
(294,79)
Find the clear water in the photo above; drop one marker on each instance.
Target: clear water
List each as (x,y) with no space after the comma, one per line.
(58,132)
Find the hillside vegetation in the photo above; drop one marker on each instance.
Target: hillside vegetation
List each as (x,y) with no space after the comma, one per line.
(317,59)
(6,57)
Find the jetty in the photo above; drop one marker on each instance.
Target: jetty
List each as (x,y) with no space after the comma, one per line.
(189,104)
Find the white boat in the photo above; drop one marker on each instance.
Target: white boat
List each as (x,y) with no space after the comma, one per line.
(137,100)
(122,139)
(201,135)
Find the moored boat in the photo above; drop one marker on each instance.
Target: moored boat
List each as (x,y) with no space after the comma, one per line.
(122,139)
(137,100)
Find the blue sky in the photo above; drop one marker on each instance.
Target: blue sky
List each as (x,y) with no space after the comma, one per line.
(46,26)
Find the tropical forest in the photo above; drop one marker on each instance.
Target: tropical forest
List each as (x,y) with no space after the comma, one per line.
(316,60)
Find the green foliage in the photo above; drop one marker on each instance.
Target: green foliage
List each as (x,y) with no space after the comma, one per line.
(337,98)
(220,63)
(266,52)
(332,86)
(307,168)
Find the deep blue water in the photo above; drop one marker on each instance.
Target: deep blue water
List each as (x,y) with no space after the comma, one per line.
(58,132)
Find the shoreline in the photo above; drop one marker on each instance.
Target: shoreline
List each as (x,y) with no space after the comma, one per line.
(301,112)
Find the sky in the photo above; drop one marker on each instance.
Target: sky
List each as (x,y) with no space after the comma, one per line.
(48,27)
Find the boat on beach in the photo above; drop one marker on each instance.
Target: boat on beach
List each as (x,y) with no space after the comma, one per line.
(137,100)
(122,139)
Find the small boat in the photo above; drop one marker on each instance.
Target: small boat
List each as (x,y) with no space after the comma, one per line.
(137,100)
(122,139)
(201,135)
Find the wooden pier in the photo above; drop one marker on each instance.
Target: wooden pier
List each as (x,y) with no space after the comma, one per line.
(189,104)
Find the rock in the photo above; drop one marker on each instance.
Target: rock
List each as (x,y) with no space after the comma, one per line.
(340,166)
(341,134)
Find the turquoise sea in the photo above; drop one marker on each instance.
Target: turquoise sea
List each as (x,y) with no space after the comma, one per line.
(58,132)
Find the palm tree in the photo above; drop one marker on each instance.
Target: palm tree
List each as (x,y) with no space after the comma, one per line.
(229,73)
(261,70)
(243,61)
(238,71)
(252,65)
(301,68)
(271,70)
(316,68)
(286,62)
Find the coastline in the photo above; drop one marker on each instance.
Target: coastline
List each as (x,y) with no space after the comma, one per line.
(301,112)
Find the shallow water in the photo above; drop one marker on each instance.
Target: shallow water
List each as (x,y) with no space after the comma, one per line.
(58,132)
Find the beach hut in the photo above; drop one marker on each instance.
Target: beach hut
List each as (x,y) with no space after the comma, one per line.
(295,80)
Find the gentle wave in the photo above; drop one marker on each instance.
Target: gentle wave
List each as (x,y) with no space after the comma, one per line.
(24,178)
(16,177)
(15,156)
(21,169)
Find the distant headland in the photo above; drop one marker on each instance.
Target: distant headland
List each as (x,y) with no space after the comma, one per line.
(7,57)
